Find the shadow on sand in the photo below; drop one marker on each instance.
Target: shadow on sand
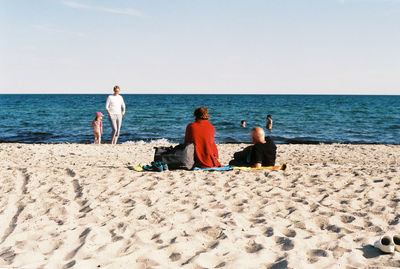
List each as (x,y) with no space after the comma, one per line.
(371,252)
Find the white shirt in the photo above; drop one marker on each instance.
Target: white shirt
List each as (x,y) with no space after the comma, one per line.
(114,104)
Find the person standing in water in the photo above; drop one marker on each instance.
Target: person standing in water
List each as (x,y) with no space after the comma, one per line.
(269,122)
(113,106)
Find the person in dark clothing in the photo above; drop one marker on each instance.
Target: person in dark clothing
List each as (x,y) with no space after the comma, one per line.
(262,153)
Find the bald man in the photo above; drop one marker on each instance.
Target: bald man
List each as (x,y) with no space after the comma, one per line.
(263,152)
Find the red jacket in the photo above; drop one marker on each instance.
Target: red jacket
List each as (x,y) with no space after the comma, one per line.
(202,133)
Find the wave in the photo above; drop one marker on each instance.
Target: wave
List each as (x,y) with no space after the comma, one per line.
(393,127)
(37,133)
(148,141)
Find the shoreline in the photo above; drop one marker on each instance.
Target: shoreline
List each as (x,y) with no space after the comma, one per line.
(156,142)
(79,206)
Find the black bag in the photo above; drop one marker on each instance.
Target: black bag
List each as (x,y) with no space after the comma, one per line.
(178,157)
(242,158)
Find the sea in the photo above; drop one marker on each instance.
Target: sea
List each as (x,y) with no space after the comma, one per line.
(157,118)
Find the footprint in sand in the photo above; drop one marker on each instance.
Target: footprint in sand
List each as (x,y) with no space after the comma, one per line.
(226,214)
(324,225)
(175,256)
(148,263)
(173,240)
(258,218)
(77,188)
(129,202)
(253,247)
(395,221)
(290,210)
(157,238)
(300,225)
(332,228)
(114,236)
(71,172)
(338,252)
(279,265)
(369,226)
(222,264)
(315,254)
(8,255)
(214,244)
(289,233)
(286,243)
(269,232)
(128,212)
(359,191)
(347,219)
(314,207)
(85,209)
(69,265)
(212,232)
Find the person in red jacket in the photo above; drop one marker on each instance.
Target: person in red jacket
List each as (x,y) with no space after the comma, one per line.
(201,132)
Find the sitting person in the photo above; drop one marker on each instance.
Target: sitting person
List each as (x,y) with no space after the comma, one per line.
(262,153)
(201,132)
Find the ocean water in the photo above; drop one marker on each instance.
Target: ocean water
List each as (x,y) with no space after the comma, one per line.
(305,119)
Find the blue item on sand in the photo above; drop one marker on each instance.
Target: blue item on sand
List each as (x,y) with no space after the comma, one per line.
(165,166)
(223,168)
(156,166)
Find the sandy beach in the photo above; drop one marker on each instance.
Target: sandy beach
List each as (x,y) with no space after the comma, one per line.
(79,206)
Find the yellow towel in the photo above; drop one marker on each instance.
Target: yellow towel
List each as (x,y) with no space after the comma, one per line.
(138,168)
(283,167)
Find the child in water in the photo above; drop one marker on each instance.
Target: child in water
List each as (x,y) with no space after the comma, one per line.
(97,125)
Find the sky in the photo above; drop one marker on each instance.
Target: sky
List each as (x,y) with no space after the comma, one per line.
(200,46)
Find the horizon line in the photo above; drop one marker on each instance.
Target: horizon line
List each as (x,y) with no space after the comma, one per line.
(127,93)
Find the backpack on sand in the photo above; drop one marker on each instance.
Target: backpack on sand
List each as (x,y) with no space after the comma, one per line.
(178,157)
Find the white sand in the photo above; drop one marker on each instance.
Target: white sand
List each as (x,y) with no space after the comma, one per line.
(72,205)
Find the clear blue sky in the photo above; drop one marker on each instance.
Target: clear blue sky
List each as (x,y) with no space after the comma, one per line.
(200,46)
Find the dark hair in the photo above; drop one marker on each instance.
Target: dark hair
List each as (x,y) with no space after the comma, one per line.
(201,113)
(242,121)
(116,87)
(268,116)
